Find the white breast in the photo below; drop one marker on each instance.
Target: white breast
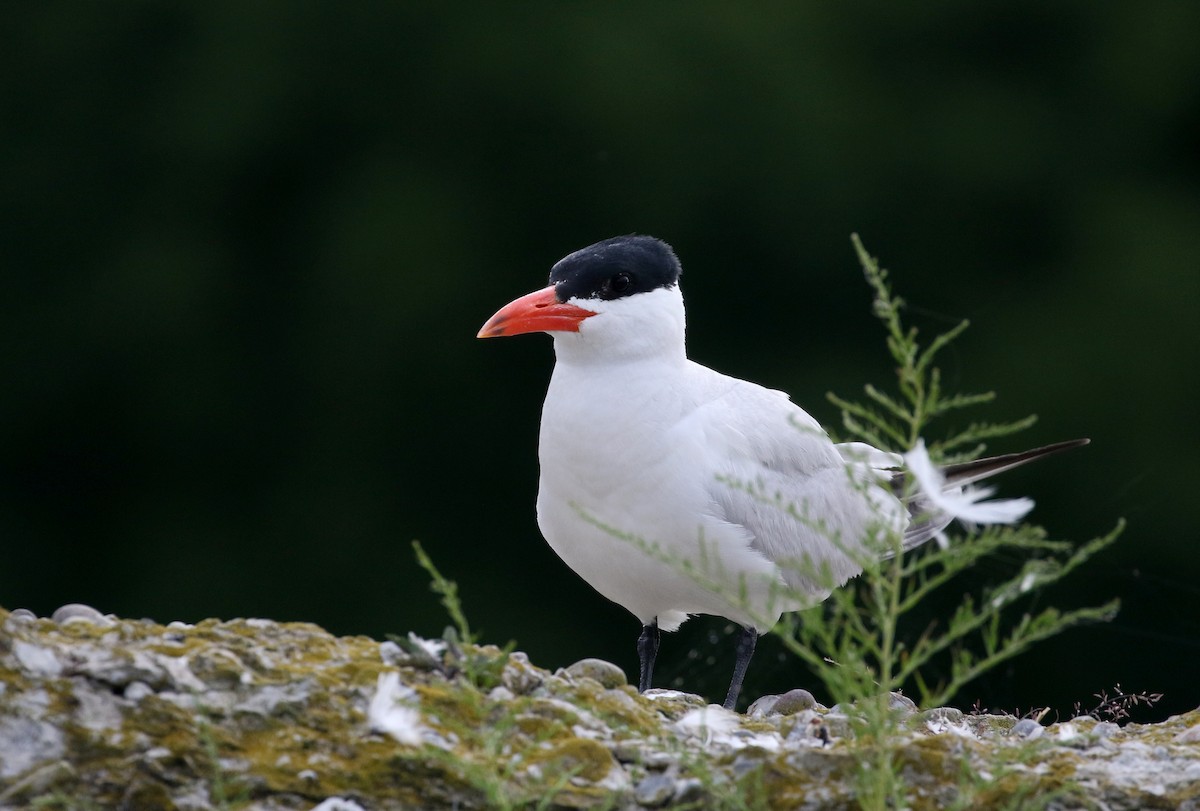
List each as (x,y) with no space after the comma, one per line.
(625,499)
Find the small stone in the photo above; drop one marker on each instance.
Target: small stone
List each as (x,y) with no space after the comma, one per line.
(1028,728)
(501,694)
(792,702)
(78,612)
(676,698)
(690,792)
(36,659)
(654,790)
(838,724)
(390,653)
(942,715)
(337,804)
(1190,735)
(21,615)
(609,675)
(137,690)
(762,706)
(1106,729)
(629,751)
(552,685)
(39,781)
(901,702)
(519,675)
(990,727)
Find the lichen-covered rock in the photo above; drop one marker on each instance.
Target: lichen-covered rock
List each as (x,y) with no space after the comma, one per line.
(604,673)
(99,712)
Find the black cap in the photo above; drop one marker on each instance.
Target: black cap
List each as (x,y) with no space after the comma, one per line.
(616,268)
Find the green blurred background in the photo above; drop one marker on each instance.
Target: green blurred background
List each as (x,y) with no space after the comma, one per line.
(246,248)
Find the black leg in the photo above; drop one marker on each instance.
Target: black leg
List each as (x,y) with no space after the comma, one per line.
(647,650)
(743,649)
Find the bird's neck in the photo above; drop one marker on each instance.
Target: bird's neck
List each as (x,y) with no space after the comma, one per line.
(573,349)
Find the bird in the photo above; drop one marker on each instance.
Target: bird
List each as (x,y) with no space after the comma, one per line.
(661,480)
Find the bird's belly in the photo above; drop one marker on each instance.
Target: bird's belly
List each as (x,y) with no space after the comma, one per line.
(646,537)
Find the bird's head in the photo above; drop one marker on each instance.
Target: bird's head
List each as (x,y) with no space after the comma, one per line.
(620,297)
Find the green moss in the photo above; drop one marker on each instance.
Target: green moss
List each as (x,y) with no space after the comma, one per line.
(538,727)
(581,757)
(279,712)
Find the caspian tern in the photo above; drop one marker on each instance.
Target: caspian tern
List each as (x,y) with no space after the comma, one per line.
(658,474)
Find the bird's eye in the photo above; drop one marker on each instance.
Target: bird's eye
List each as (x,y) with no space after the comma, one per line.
(620,283)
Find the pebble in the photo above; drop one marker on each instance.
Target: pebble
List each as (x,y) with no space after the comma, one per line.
(1189,735)
(609,675)
(690,792)
(671,696)
(762,706)
(519,675)
(654,790)
(1028,728)
(943,715)
(391,653)
(137,690)
(337,804)
(838,724)
(78,612)
(643,754)
(792,702)
(501,694)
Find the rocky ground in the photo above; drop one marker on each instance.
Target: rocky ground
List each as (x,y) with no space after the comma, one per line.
(98,713)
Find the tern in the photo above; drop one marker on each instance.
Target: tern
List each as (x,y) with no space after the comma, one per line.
(662,480)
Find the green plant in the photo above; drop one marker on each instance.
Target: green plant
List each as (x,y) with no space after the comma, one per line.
(499,744)
(855,643)
(462,652)
(448,590)
(63,801)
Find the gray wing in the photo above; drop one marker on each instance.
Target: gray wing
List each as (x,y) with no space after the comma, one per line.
(800,501)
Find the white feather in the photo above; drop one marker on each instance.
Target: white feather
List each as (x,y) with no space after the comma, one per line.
(394,710)
(962,503)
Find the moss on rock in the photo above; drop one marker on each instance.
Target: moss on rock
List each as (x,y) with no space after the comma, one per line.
(263,715)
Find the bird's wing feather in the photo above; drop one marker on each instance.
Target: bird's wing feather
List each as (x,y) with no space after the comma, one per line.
(924,522)
(802,504)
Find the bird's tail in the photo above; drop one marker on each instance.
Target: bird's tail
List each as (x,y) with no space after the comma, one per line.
(927,520)
(968,472)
